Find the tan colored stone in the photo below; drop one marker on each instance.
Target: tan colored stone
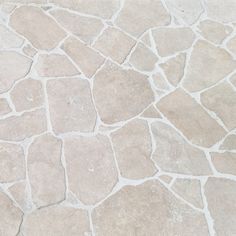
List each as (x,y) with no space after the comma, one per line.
(29,50)
(55,65)
(137,16)
(172,40)
(85,57)
(229,143)
(190,118)
(8,75)
(174,154)
(27,94)
(166,178)
(231,45)
(151,112)
(208,65)
(41,30)
(91,167)
(120,94)
(17,128)
(4,106)
(160,82)
(70,105)
(57,220)
(222,100)
(115,44)
(145,210)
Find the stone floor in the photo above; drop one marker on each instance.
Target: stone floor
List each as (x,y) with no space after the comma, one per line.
(117,117)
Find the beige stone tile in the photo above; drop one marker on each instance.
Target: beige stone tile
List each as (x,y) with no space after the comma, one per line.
(70,105)
(160,82)
(231,45)
(166,178)
(91,167)
(229,143)
(120,94)
(29,50)
(233,80)
(146,39)
(151,112)
(4,106)
(40,29)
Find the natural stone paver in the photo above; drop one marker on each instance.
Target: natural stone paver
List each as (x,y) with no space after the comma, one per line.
(233,80)
(151,112)
(231,45)
(229,143)
(29,50)
(4,106)
(160,82)
(166,178)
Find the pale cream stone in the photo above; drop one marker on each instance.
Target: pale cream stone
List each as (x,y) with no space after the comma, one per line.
(146,39)
(91,167)
(166,178)
(4,106)
(190,118)
(222,100)
(233,80)
(143,58)
(8,75)
(231,45)
(57,220)
(133,147)
(229,143)
(147,209)
(174,68)
(12,162)
(55,65)
(220,194)
(115,44)
(11,216)
(137,16)
(120,94)
(172,40)
(174,154)
(27,94)
(208,65)
(40,29)
(29,50)
(160,82)
(85,57)
(70,105)
(151,112)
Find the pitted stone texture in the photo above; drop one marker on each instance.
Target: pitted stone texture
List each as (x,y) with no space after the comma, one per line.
(151,112)
(13,66)
(172,40)
(190,118)
(12,162)
(231,45)
(128,91)
(145,210)
(91,167)
(229,143)
(133,148)
(70,105)
(40,29)
(44,166)
(174,154)
(4,106)
(57,220)
(137,16)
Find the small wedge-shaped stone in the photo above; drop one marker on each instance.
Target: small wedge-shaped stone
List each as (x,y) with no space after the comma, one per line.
(13,66)
(229,143)
(17,128)
(120,94)
(151,112)
(137,16)
(160,82)
(91,167)
(172,40)
(40,29)
(133,148)
(190,118)
(44,167)
(208,64)
(174,154)
(4,106)
(12,162)
(70,105)
(57,220)
(147,209)
(231,45)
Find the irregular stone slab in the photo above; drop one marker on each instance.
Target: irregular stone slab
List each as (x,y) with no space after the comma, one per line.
(70,105)
(85,57)
(146,39)
(57,220)
(12,162)
(4,106)
(133,147)
(11,216)
(208,65)
(10,60)
(86,28)
(41,30)
(44,166)
(29,50)
(55,65)
(91,167)
(231,45)
(129,212)
(128,91)
(151,112)
(233,80)
(148,14)
(222,100)
(229,143)
(195,124)
(160,82)
(220,194)
(115,44)
(174,154)
(27,94)
(166,178)
(17,128)
(172,40)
